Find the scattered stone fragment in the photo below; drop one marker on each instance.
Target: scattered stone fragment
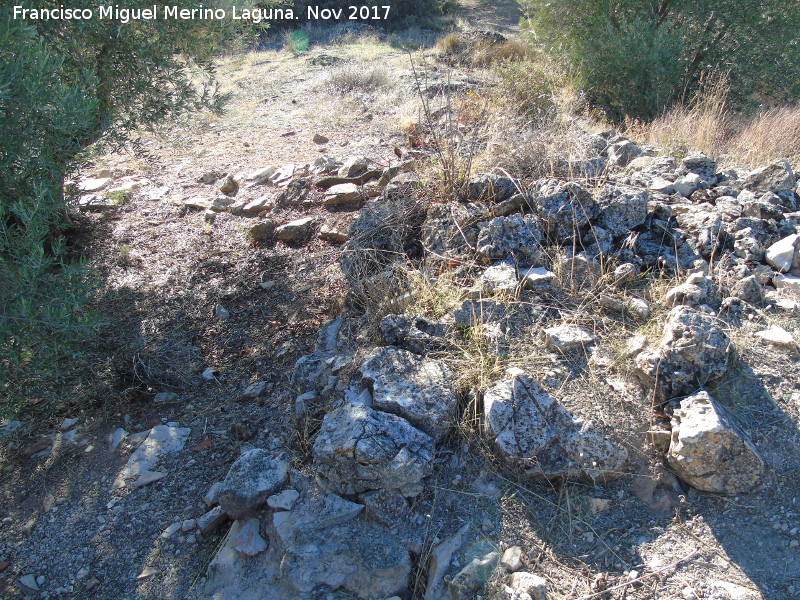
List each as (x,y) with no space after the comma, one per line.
(517,237)
(211,497)
(254,390)
(638,307)
(538,278)
(171,530)
(188,525)
(221,312)
(512,559)
(565,208)
(148,477)
(417,334)
(788,283)
(489,187)
(160,441)
(116,437)
(320,139)
(28,583)
(91,584)
(693,292)
(344,194)
(421,390)
(67,423)
(262,175)
(748,289)
(623,152)
(229,186)
(527,583)
(566,338)
(209,522)
(89,186)
(782,255)
(197,203)
(165,397)
(621,209)
(439,562)
(360,449)
(255,207)
(146,572)
(692,352)
(246,538)
(355,166)
(778,336)
(500,278)
(294,230)
(775,178)
(256,475)
(580,272)
(624,273)
(283,501)
(708,451)
(263,231)
(687,185)
(209,177)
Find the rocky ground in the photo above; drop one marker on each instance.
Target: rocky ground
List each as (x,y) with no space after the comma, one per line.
(323,377)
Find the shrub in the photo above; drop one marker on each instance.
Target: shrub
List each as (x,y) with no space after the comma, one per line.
(637,58)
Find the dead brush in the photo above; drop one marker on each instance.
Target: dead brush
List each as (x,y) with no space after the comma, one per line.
(350,79)
(455,133)
(710,125)
(767,137)
(703,124)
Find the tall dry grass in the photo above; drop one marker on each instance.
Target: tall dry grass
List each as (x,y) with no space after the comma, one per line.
(708,124)
(769,136)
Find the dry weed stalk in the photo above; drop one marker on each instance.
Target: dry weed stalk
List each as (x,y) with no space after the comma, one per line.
(457,132)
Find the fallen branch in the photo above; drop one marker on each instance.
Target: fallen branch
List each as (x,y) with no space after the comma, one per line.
(645,576)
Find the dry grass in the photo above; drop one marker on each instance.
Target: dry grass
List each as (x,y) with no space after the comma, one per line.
(709,125)
(769,136)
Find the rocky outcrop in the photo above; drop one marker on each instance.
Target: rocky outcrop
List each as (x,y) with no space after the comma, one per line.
(360,449)
(693,351)
(535,433)
(256,475)
(407,385)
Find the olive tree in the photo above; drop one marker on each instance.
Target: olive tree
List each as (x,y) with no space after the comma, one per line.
(64,85)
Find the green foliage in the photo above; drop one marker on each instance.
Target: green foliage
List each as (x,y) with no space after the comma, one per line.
(64,85)
(637,58)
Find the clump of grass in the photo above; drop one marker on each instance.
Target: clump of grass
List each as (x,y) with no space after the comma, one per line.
(709,125)
(705,124)
(119,197)
(767,137)
(451,45)
(506,52)
(351,79)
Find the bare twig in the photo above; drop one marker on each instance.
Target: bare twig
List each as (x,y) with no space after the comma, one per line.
(677,563)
